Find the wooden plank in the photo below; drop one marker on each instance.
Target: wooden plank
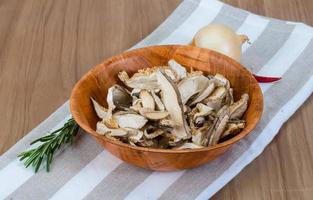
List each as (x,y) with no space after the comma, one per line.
(46,46)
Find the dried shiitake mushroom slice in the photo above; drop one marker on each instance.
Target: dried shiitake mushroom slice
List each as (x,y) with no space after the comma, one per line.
(172,102)
(147,100)
(139,80)
(188,145)
(153,134)
(203,110)
(136,105)
(101,111)
(215,100)
(167,123)
(191,86)
(238,108)
(134,135)
(233,128)
(130,120)
(219,127)
(153,114)
(104,130)
(198,135)
(169,107)
(204,94)
(158,103)
(118,97)
(179,70)
(220,80)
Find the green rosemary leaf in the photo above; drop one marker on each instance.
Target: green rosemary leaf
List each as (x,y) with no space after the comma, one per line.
(31,159)
(23,157)
(49,159)
(25,154)
(44,139)
(50,136)
(38,163)
(49,144)
(45,149)
(61,140)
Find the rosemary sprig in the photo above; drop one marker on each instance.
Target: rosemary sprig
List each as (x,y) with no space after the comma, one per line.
(50,143)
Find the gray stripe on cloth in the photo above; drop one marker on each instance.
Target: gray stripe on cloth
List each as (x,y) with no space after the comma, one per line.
(119,183)
(55,118)
(279,94)
(275,98)
(270,41)
(69,162)
(230,16)
(179,16)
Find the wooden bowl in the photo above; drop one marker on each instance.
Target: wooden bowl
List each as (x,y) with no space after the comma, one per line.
(96,82)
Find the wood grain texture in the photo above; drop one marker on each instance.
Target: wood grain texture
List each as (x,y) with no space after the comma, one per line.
(46,46)
(98,80)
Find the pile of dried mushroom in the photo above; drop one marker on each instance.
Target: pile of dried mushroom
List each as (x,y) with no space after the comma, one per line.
(171,108)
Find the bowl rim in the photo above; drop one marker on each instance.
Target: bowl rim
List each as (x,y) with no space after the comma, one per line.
(134,52)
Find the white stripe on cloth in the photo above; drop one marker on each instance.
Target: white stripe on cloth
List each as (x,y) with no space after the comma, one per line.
(245,28)
(154,185)
(15,174)
(283,59)
(253,27)
(12,177)
(203,15)
(88,178)
(261,142)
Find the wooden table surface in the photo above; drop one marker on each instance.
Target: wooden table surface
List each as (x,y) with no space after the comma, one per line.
(46,46)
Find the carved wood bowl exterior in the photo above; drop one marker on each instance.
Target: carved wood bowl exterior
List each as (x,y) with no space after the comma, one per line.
(96,82)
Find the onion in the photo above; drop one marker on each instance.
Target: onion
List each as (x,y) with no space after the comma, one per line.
(224,40)
(220,38)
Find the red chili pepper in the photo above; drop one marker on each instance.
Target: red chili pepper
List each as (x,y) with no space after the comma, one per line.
(266,79)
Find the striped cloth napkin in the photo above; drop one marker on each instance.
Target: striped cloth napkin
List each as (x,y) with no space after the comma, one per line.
(85,170)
